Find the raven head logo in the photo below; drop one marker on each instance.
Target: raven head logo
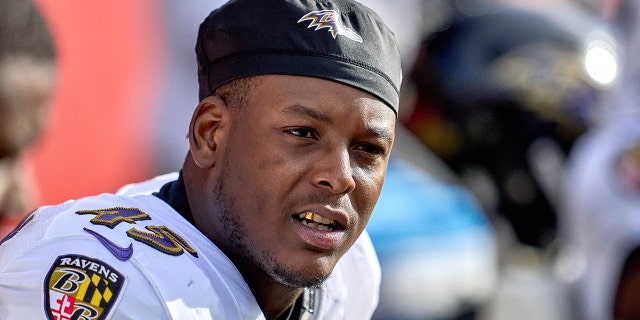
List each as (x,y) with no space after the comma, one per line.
(330,19)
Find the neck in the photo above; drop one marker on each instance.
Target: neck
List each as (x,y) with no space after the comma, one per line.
(273,298)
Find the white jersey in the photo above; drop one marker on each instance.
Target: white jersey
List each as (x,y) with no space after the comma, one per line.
(130,255)
(601,213)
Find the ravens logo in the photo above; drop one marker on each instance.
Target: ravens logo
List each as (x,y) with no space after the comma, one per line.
(330,19)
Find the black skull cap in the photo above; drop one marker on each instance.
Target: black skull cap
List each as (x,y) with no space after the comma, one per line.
(337,40)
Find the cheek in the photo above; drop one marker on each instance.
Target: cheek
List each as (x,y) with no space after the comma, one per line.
(368,188)
(257,173)
(254,149)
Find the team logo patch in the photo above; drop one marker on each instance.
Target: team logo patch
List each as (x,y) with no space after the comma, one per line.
(79,287)
(330,19)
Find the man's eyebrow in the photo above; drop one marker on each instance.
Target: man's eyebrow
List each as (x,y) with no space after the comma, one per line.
(380,133)
(298,109)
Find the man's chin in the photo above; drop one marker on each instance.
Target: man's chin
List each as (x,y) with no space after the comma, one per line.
(296,279)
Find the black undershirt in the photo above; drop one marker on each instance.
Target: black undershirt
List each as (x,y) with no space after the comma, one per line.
(174,193)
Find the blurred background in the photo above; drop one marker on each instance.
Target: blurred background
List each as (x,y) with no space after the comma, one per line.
(475,220)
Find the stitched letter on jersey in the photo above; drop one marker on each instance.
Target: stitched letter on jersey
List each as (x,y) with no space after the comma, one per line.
(79,287)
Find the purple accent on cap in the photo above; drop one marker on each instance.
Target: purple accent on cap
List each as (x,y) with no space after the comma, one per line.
(330,19)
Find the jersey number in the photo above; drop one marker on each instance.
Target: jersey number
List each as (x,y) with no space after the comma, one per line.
(160,237)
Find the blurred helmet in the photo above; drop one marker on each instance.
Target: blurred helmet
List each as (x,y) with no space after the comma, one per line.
(502,96)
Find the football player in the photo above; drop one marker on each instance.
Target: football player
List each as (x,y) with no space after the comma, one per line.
(288,149)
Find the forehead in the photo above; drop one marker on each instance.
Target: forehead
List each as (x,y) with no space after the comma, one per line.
(324,97)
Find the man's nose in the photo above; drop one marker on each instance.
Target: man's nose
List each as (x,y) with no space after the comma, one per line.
(334,173)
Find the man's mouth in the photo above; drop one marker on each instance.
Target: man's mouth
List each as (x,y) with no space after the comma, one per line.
(316,221)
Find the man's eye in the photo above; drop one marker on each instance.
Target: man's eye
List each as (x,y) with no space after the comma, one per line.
(301,132)
(372,149)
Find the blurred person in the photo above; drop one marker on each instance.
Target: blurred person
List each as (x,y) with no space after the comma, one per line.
(501,97)
(27,74)
(601,193)
(288,150)
(108,63)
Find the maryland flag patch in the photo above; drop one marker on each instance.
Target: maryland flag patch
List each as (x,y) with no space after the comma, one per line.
(79,287)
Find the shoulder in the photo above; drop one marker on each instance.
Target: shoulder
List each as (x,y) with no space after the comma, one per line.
(105,255)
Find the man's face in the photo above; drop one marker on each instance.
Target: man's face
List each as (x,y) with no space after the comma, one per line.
(300,172)
(25,88)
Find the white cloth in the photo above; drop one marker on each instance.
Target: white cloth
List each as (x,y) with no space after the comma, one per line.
(600,215)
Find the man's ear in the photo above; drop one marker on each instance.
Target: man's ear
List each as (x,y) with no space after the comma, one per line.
(206,130)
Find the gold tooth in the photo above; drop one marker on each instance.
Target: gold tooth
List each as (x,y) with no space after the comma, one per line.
(317,218)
